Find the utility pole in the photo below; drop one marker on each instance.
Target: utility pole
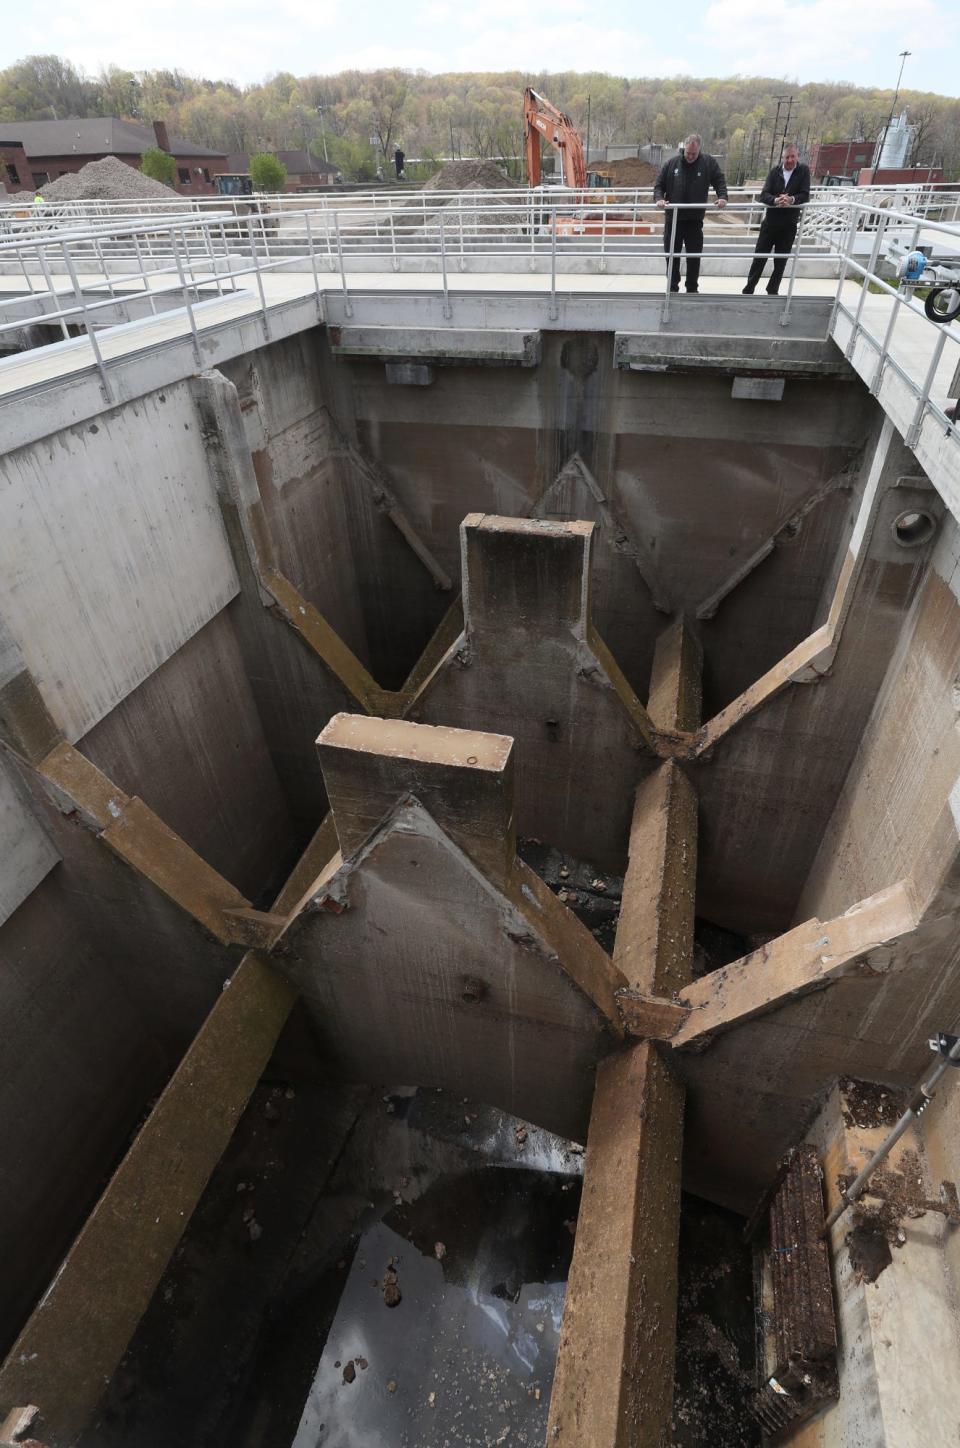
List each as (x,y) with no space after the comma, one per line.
(883,142)
(588,131)
(755,159)
(323,130)
(781,101)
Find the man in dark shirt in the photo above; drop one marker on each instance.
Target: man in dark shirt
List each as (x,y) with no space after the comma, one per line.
(687,178)
(785,190)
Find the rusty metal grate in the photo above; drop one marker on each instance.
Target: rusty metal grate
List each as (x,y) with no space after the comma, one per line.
(804,1326)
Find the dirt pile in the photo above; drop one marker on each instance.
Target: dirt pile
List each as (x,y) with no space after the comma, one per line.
(106,180)
(629,172)
(469,176)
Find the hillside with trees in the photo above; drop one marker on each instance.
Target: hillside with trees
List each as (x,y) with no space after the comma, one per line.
(363,115)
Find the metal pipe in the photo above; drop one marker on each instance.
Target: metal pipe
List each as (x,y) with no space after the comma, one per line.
(553,265)
(919,1101)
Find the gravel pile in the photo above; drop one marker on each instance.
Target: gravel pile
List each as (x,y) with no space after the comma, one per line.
(106,180)
(469,176)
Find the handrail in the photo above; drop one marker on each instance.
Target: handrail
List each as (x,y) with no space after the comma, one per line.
(179,254)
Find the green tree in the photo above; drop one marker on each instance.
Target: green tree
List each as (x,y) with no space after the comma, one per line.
(267,173)
(159,165)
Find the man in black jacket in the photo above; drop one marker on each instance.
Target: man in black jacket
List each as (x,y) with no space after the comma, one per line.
(687,178)
(785,190)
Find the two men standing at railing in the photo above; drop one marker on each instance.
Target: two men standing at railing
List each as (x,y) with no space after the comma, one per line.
(785,190)
(684,181)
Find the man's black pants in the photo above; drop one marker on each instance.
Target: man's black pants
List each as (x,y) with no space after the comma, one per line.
(689,236)
(779,237)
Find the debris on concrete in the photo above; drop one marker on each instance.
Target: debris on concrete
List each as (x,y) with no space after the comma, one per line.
(349,1372)
(392,1295)
(866,1105)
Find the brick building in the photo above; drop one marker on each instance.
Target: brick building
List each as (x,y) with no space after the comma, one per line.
(53,148)
(15,171)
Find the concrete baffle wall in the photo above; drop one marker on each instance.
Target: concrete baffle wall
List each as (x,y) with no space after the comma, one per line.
(530,663)
(426,952)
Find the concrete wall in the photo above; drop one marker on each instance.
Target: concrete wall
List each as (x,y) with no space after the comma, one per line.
(112,553)
(697,480)
(909,757)
(26,850)
(189,742)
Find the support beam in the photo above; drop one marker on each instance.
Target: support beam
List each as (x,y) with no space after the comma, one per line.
(613,1386)
(654,941)
(808,958)
(73,1342)
(327,644)
(131,830)
(675,684)
(386,502)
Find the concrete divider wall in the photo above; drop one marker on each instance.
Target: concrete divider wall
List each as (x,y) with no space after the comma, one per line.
(332,539)
(112,553)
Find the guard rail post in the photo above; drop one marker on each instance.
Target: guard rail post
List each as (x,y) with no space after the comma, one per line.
(888,335)
(447,312)
(255,260)
(91,335)
(313,260)
(913,431)
(864,286)
(347,304)
(143,272)
(186,297)
(664,315)
(41,253)
(844,261)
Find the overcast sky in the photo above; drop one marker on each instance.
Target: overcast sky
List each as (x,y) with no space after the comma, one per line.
(245,40)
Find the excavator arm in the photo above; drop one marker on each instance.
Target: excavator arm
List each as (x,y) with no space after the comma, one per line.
(541,118)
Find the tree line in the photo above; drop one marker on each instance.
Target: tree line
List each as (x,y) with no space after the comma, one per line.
(358,118)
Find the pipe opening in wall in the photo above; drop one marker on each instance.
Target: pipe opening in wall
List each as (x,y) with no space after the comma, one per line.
(911,528)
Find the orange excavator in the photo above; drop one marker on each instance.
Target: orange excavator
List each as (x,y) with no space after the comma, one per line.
(541,118)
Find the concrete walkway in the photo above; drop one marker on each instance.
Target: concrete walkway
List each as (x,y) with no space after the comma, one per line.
(911,349)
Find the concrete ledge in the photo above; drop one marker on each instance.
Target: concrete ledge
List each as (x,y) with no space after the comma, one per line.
(437,344)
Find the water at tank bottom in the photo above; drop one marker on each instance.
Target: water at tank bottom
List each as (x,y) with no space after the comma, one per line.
(476,1272)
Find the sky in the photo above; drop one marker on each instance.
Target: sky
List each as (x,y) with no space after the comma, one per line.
(246,40)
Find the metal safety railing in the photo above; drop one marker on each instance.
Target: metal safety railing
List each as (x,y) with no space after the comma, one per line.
(83,277)
(930,339)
